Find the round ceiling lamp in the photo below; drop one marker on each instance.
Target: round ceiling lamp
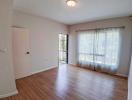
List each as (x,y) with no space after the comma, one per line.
(71,3)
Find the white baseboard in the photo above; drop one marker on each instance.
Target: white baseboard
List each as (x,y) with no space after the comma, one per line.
(38,71)
(122,75)
(48,68)
(22,76)
(9,94)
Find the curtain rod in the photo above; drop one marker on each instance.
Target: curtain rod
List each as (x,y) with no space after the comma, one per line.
(100,28)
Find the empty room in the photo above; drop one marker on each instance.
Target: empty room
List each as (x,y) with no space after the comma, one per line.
(65,49)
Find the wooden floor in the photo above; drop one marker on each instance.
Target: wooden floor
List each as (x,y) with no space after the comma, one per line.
(71,83)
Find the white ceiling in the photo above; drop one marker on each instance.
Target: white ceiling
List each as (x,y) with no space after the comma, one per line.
(86,10)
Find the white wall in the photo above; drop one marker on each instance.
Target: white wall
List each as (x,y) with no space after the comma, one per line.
(7,81)
(43,39)
(130,83)
(126,40)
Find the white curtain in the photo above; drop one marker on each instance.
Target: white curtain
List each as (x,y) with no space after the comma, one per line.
(99,49)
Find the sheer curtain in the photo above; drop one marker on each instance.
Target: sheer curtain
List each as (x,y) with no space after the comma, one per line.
(99,49)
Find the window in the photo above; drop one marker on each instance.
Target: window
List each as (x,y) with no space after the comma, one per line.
(99,48)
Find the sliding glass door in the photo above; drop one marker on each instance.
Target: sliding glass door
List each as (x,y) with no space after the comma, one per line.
(99,49)
(63,48)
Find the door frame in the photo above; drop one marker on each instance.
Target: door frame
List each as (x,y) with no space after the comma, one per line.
(67,47)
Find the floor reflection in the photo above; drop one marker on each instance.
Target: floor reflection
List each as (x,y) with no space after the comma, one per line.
(84,81)
(62,80)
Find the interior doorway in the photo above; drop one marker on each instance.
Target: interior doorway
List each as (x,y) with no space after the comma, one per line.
(63,49)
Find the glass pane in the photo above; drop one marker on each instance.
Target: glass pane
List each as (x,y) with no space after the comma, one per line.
(62,48)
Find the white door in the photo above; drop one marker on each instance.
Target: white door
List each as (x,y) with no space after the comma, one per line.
(21,52)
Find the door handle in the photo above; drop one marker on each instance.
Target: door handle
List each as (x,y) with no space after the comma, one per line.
(27,52)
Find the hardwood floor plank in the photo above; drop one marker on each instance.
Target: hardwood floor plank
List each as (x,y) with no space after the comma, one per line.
(71,83)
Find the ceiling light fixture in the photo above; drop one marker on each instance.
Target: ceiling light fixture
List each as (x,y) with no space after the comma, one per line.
(71,3)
